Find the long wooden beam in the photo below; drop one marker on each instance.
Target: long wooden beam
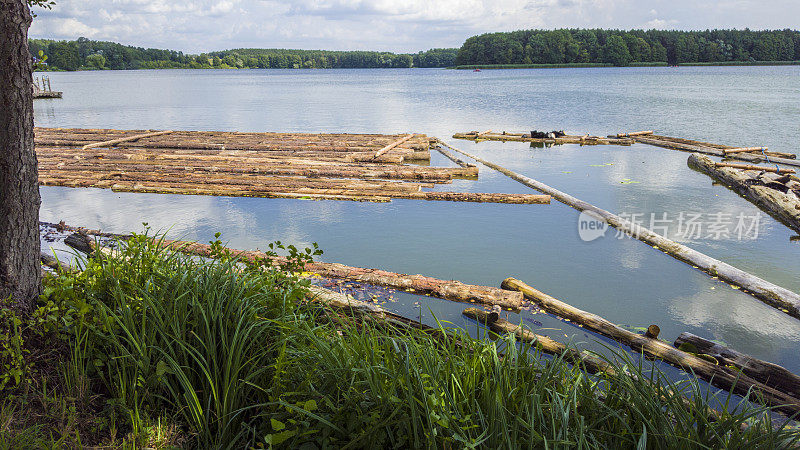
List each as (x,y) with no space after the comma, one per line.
(393,145)
(126,139)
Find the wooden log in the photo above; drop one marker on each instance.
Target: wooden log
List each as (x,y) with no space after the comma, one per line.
(55,264)
(126,139)
(765,372)
(771,294)
(393,145)
(752,167)
(783,206)
(635,133)
(476,197)
(445,289)
(586,361)
(720,376)
(745,149)
(483,133)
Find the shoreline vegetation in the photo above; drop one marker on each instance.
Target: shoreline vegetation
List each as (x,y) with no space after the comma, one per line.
(85,54)
(524,49)
(83,370)
(637,64)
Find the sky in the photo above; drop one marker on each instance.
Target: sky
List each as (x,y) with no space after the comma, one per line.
(196,26)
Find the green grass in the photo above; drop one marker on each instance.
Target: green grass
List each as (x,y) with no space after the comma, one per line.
(157,349)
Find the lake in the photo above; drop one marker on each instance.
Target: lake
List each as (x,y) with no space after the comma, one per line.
(623,280)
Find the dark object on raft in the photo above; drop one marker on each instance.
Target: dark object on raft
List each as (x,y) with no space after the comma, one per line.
(547,135)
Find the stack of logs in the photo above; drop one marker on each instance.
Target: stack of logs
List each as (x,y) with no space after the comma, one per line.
(363,167)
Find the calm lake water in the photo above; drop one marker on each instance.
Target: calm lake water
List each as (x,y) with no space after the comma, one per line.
(623,280)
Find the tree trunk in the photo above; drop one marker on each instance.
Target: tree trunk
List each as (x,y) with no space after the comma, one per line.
(20,270)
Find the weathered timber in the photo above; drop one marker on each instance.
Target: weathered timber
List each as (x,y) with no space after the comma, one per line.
(393,145)
(586,361)
(752,167)
(586,140)
(430,174)
(771,294)
(446,289)
(126,139)
(722,377)
(48,94)
(635,133)
(768,373)
(759,189)
(686,145)
(58,266)
(745,149)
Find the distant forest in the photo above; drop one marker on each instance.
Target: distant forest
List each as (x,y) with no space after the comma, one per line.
(85,54)
(622,48)
(526,47)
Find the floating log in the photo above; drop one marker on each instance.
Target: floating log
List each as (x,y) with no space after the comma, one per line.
(744,149)
(720,376)
(768,373)
(752,167)
(584,360)
(482,133)
(58,266)
(126,139)
(708,148)
(771,294)
(393,145)
(759,190)
(635,133)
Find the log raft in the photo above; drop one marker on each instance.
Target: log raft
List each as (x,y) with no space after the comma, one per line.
(521,137)
(778,297)
(336,166)
(778,196)
(723,377)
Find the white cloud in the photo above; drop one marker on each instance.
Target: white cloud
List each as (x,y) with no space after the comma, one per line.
(660,24)
(395,25)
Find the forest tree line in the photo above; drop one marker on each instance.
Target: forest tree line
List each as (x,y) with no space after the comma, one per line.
(86,54)
(621,48)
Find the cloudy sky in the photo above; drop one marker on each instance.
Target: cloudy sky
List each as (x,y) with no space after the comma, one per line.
(395,25)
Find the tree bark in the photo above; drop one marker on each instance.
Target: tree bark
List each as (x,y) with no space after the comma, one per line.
(20,270)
